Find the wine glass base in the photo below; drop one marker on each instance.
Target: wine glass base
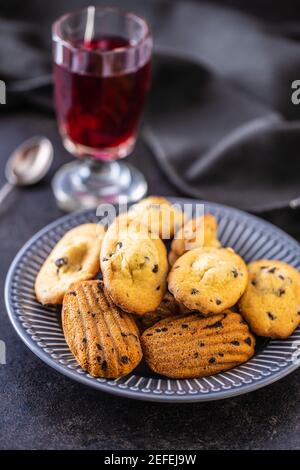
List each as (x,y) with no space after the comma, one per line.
(86,184)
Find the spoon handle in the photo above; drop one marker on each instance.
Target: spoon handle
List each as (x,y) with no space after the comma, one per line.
(5,190)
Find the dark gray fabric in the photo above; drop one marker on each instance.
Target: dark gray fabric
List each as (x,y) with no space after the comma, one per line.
(213,121)
(198,125)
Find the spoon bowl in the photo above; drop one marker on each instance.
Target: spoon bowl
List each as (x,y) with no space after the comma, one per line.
(27,165)
(30,162)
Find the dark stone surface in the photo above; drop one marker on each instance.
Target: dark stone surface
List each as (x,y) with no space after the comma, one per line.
(40,408)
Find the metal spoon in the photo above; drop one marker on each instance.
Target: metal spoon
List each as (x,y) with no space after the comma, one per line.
(28,164)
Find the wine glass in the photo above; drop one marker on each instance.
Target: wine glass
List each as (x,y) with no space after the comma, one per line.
(102,69)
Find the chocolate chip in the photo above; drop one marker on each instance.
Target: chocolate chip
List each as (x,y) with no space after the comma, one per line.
(123,334)
(93,315)
(147,258)
(194,291)
(298,313)
(61,262)
(104,365)
(235,272)
(98,345)
(212,360)
(105,259)
(164,329)
(149,334)
(100,286)
(272,270)
(72,292)
(280,292)
(158,287)
(221,354)
(248,341)
(184,325)
(281,277)
(119,245)
(155,268)
(235,343)
(263,267)
(201,344)
(124,359)
(98,359)
(217,324)
(84,340)
(253,282)
(158,330)
(271,315)
(196,354)
(218,301)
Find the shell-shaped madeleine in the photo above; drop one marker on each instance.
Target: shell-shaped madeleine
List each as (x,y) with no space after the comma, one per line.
(190,346)
(103,338)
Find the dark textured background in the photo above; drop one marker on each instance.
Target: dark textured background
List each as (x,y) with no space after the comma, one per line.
(40,408)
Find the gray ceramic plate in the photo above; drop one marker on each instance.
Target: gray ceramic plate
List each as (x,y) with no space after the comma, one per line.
(40,328)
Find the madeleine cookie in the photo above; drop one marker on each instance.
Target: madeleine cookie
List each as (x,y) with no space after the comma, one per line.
(104,340)
(208,279)
(159,215)
(74,258)
(271,301)
(134,268)
(196,233)
(193,346)
(167,308)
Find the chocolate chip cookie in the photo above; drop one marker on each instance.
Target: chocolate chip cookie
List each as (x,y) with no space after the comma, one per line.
(134,268)
(209,280)
(271,301)
(159,215)
(196,233)
(74,258)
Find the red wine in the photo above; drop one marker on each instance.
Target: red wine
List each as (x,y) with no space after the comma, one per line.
(97,111)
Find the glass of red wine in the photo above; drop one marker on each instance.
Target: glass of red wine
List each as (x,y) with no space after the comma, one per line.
(102,68)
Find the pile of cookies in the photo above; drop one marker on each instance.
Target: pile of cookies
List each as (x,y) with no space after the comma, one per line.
(191,312)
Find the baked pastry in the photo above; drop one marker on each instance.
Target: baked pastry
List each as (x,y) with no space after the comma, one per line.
(190,346)
(271,301)
(167,308)
(159,215)
(104,340)
(74,258)
(196,233)
(209,280)
(134,268)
